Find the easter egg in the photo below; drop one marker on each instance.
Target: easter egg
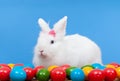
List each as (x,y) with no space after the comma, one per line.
(110,74)
(87,66)
(11,65)
(98,66)
(68,72)
(29,65)
(37,68)
(43,75)
(18,74)
(30,73)
(115,64)
(87,70)
(110,66)
(18,67)
(19,64)
(64,67)
(58,74)
(4,65)
(4,74)
(52,67)
(102,67)
(77,75)
(118,72)
(96,75)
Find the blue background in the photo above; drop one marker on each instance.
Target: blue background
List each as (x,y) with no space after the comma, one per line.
(98,20)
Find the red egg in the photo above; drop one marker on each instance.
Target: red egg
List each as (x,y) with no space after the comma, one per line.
(64,67)
(96,75)
(115,64)
(37,68)
(4,74)
(30,73)
(4,65)
(58,74)
(20,64)
(110,74)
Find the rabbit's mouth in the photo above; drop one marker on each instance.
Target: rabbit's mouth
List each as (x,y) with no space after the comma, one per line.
(42,54)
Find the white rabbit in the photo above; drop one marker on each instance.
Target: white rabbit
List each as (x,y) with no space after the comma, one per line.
(54,48)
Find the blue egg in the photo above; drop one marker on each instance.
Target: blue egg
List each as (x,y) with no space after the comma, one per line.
(77,75)
(102,67)
(18,67)
(29,65)
(96,65)
(17,74)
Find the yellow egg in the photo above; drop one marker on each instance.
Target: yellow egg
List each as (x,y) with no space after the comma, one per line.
(87,70)
(11,65)
(52,67)
(118,72)
(110,66)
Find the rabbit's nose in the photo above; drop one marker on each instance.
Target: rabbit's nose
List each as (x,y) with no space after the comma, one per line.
(41,51)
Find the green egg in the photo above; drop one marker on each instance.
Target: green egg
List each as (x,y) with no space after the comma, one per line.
(87,66)
(68,72)
(43,75)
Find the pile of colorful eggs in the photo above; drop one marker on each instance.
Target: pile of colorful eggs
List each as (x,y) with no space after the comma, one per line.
(27,72)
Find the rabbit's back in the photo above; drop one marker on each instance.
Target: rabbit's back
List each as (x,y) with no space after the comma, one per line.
(81,51)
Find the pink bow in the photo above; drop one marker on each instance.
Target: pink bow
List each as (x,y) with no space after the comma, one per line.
(52,32)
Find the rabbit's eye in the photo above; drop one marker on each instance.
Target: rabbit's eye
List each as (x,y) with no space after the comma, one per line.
(52,42)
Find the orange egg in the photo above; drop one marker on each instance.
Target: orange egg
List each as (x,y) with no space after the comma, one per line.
(87,70)
(118,72)
(110,66)
(11,65)
(52,67)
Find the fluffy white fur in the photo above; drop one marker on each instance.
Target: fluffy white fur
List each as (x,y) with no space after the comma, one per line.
(76,50)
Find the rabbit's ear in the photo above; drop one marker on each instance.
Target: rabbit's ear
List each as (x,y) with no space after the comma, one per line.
(44,26)
(60,26)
